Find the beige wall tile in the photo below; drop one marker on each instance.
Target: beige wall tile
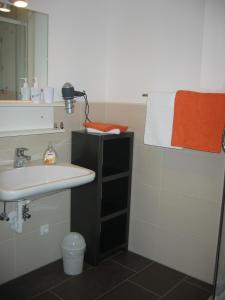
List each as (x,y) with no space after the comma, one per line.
(192,256)
(5,231)
(70,121)
(7,261)
(188,216)
(147,164)
(28,254)
(144,239)
(97,112)
(131,115)
(193,173)
(144,201)
(51,209)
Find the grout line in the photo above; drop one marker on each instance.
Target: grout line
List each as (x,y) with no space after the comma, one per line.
(116,262)
(119,284)
(110,290)
(146,267)
(56,285)
(173,288)
(133,270)
(56,295)
(142,287)
(52,287)
(197,285)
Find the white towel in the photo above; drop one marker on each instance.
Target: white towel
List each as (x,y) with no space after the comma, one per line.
(159,119)
(112,131)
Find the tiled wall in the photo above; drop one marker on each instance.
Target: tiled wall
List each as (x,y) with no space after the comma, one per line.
(21,253)
(176,199)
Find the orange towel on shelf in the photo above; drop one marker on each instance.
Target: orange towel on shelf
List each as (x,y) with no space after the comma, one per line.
(105,126)
(199,120)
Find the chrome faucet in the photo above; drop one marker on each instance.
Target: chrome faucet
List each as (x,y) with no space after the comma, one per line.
(20,158)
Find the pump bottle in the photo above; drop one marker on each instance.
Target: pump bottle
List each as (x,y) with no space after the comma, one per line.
(25,90)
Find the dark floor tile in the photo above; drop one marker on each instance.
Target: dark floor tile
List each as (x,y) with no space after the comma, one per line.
(199,283)
(158,278)
(46,296)
(34,282)
(186,291)
(132,260)
(93,282)
(129,291)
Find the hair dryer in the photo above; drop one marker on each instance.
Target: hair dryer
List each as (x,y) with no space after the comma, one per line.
(69,94)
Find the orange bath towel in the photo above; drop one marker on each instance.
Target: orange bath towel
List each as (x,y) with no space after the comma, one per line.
(199,120)
(105,126)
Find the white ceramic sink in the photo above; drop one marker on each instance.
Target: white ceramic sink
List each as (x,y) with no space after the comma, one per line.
(30,181)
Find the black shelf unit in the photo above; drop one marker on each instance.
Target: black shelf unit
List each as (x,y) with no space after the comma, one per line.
(100,210)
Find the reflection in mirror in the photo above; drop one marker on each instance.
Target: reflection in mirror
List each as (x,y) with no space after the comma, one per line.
(23,50)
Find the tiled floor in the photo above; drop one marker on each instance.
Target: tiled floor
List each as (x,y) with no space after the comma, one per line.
(124,276)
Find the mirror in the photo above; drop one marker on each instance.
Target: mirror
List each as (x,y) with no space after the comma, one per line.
(23,50)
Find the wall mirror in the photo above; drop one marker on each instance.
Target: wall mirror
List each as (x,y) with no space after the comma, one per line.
(23,50)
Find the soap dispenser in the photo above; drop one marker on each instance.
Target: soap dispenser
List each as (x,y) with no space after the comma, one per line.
(25,90)
(49,157)
(35,92)
(36,83)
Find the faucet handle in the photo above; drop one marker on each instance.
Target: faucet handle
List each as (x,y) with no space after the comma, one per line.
(20,151)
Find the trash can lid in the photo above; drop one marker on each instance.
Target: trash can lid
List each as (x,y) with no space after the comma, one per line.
(73,241)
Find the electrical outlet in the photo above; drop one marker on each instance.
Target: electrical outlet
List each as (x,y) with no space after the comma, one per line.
(44,229)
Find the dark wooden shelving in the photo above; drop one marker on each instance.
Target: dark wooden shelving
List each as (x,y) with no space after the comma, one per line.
(100,210)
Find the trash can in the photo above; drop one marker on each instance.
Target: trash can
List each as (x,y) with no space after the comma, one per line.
(73,247)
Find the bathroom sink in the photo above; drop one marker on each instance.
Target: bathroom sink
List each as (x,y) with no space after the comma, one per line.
(30,181)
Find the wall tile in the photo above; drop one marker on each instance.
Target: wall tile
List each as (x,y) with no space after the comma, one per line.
(192,256)
(131,115)
(188,216)
(5,231)
(7,261)
(51,209)
(193,173)
(97,112)
(144,202)
(147,164)
(144,239)
(28,256)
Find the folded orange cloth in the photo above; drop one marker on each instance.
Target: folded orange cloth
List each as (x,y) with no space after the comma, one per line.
(199,120)
(105,126)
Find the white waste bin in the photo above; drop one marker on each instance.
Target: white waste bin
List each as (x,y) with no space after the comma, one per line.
(73,247)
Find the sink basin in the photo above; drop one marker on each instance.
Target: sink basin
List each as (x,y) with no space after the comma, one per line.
(30,181)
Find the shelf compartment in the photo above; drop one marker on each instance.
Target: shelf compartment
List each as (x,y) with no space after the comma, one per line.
(116,156)
(114,196)
(113,233)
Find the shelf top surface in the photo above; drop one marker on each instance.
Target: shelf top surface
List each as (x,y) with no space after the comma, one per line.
(104,136)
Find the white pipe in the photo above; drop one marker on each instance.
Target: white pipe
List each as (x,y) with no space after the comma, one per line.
(16,217)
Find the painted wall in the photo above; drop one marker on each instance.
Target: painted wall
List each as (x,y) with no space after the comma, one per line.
(164,46)
(77,30)
(213,58)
